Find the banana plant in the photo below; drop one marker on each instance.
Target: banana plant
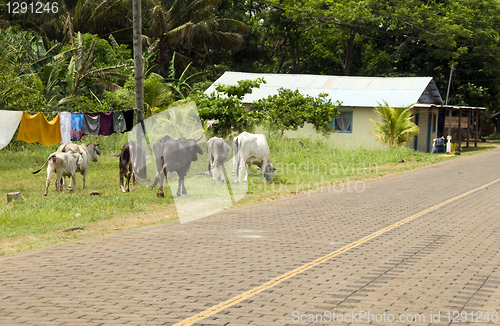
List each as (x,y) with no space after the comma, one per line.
(182,86)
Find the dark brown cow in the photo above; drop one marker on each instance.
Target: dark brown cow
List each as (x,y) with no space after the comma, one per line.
(128,156)
(177,155)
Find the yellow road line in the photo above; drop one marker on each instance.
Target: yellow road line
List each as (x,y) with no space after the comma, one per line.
(275,281)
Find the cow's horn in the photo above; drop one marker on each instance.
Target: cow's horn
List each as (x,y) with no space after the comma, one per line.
(198,139)
(181,134)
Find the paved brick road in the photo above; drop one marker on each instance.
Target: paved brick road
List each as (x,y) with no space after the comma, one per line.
(445,261)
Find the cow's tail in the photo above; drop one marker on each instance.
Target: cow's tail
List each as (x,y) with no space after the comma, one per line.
(158,173)
(50,156)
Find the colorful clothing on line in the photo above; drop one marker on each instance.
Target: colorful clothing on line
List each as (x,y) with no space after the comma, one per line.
(65,118)
(9,121)
(36,128)
(76,126)
(106,127)
(92,122)
(129,119)
(119,123)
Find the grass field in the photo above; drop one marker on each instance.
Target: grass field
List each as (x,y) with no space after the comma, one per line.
(38,221)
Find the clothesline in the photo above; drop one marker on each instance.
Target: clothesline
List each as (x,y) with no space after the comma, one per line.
(65,127)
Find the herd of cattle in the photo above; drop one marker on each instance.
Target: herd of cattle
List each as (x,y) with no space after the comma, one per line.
(171,155)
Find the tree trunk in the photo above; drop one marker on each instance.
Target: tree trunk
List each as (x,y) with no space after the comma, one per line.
(14,196)
(294,52)
(282,57)
(209,59)
(348,57)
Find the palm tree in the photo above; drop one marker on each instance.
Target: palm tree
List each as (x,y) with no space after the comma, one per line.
(396,126)
(82,67)
(193,28)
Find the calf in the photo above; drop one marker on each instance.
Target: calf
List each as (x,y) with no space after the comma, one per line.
(64,164)
(218,151)
(89,153)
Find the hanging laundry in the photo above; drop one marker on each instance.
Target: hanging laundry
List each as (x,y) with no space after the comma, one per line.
(36,128)
(65,126)
(9,121)
(119,124)
(92,122)
(106,127)
(129,119)
(76,126)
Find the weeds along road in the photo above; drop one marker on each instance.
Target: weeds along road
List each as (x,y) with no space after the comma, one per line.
(416,248)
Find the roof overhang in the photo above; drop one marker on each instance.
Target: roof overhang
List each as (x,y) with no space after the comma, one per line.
(448,107)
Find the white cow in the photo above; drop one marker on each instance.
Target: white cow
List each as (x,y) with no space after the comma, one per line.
(65,165)
(253,149)
(89,153)
(218,151)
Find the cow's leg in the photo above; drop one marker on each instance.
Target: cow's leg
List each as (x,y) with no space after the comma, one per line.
(122,172)
(215,170)
(182,174)
(235,163)
(249,165)
(133,180)
(223,169)
(239,169)
(84,176)
(73,182)
(184,191)
(162,173)
(129,176)
(47,183)
(181,181)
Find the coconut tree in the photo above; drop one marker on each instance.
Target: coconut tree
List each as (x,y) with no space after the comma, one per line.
(192,27)
(81,67)
(396,126)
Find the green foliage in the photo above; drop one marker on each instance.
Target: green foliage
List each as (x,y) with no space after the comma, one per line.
(242,87)
(182,86)
(228,109)
(396,126)
(493,137)
(290,110)
(120,99)
(156,94)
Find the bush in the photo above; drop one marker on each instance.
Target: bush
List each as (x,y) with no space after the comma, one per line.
(290,110)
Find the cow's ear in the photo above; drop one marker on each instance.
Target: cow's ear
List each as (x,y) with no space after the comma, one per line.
(274,168)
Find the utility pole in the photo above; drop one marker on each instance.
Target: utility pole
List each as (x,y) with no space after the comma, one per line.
(139,86)
(138,71)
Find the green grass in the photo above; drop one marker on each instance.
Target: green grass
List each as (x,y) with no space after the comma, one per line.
(493,137)
(40,221)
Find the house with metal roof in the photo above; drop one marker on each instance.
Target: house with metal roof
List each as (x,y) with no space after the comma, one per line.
(358,97)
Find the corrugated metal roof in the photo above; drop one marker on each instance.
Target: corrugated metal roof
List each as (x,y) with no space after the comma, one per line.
(350,91)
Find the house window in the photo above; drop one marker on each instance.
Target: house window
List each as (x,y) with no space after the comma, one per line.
(434,123)
(343,123)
